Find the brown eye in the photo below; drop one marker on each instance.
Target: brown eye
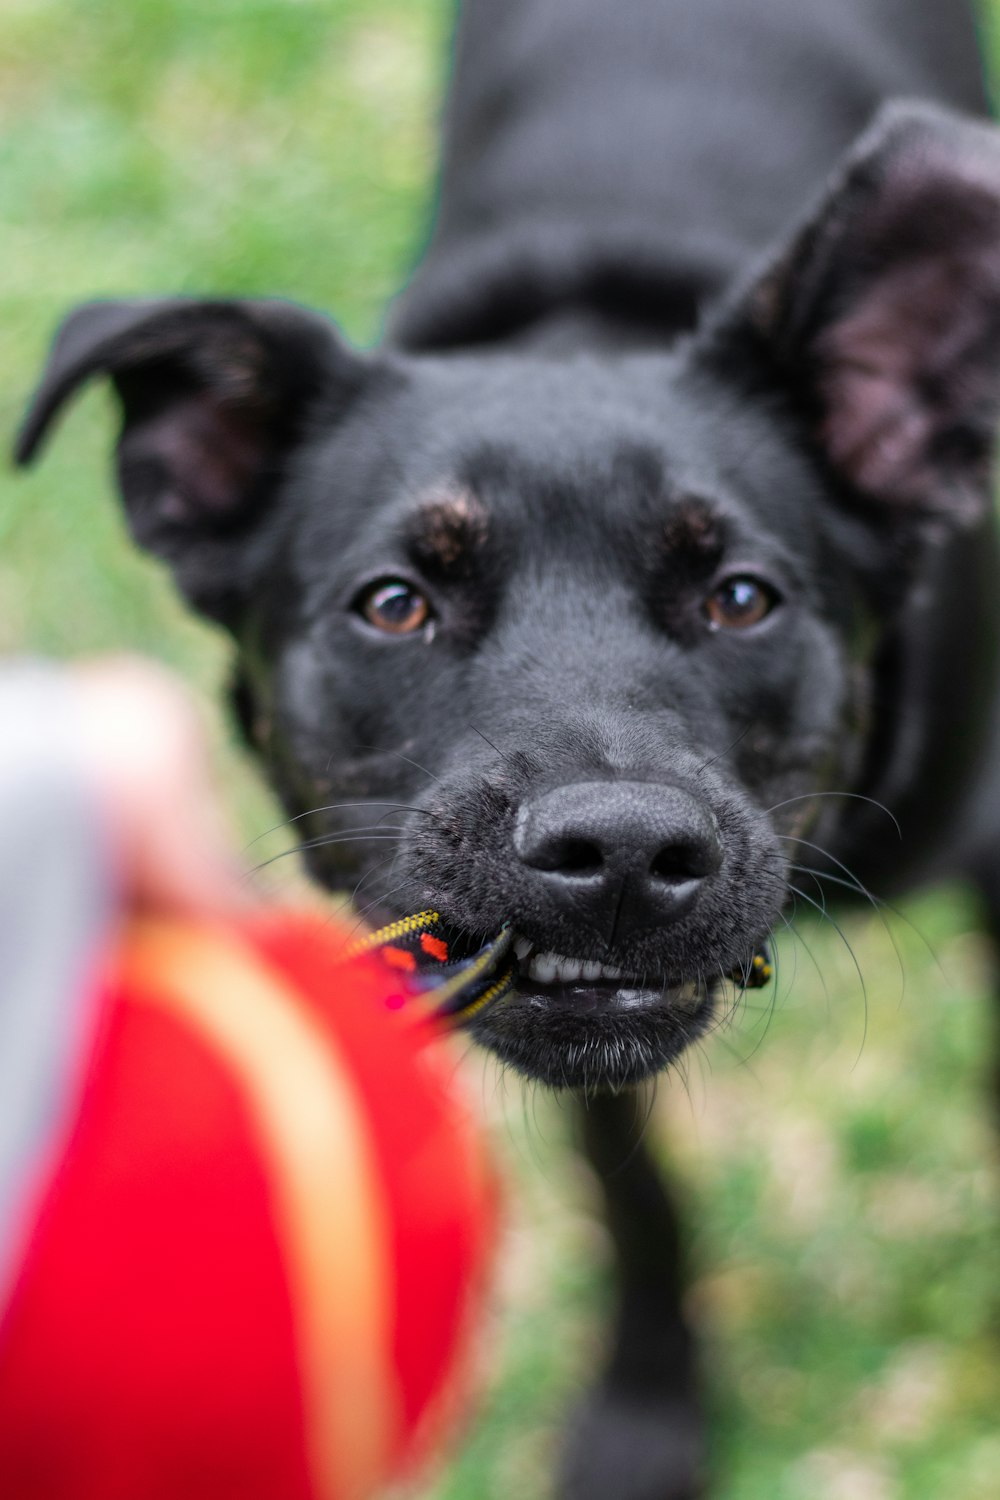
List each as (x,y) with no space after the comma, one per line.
(395,607)
(739,602)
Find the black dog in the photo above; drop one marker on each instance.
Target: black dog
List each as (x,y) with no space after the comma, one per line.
(659,549)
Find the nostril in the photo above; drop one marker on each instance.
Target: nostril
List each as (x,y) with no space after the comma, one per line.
(679,862)
(569,855)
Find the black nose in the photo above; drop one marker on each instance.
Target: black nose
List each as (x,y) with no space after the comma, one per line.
(623,855)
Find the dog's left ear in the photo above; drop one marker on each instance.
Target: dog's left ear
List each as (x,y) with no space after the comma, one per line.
(882,318)
(215,397)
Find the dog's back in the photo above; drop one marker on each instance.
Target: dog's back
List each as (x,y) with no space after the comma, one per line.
(628,159)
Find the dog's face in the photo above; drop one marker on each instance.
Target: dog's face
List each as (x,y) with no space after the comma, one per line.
(570,644)
(564,629)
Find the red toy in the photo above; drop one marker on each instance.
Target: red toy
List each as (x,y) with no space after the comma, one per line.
(252,1268)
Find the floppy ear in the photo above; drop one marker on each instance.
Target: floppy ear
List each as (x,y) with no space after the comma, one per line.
(882,318)
(214,397)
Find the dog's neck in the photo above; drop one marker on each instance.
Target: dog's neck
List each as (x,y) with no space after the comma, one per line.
(608,168)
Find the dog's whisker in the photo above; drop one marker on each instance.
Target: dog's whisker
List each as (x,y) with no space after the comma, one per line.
(798,936)
(313,812)
(387,750)
(856,796)
(377,833)
(878,906)
(854,958)
(370,906)
(769,1009)
(881,905)
(723,753)
(852,882)
(810,953)
(476,730)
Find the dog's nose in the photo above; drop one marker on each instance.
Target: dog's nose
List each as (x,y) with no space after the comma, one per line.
(621,855)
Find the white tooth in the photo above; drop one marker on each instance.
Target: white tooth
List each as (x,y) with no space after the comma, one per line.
(570,970)
(544,967)
(591,971)
(609,972)
(522,946)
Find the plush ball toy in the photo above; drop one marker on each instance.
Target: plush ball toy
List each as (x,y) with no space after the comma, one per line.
(255,1258)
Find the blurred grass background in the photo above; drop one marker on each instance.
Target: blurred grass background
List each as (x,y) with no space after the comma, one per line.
(834,1149)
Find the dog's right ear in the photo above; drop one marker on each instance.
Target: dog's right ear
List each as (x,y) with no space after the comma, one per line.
(880,321)
(214,396)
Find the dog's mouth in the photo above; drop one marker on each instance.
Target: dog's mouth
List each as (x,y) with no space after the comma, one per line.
(566,1021)
(588,986)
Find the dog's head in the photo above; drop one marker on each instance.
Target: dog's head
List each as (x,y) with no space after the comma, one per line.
(571,643)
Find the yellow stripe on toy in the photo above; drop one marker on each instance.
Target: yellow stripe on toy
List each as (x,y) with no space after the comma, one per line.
(312,1134)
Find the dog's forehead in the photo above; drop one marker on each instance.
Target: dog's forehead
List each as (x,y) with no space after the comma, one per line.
(584,456)
(629,439)
(546,413)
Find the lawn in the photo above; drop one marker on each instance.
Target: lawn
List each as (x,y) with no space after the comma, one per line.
(834,1146)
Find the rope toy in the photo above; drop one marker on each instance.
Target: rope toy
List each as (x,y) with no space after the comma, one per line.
(451,990)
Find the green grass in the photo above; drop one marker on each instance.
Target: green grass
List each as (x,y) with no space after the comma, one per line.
(839,1172)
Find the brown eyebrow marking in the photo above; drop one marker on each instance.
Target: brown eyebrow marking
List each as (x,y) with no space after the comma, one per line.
(449,530)
(692,534)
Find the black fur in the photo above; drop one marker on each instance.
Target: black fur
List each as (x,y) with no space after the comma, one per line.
(621,377)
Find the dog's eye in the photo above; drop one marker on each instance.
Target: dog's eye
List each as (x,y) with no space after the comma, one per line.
(394,606)
(739,602)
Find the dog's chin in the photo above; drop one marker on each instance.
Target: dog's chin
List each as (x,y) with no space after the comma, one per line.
(594,1034)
